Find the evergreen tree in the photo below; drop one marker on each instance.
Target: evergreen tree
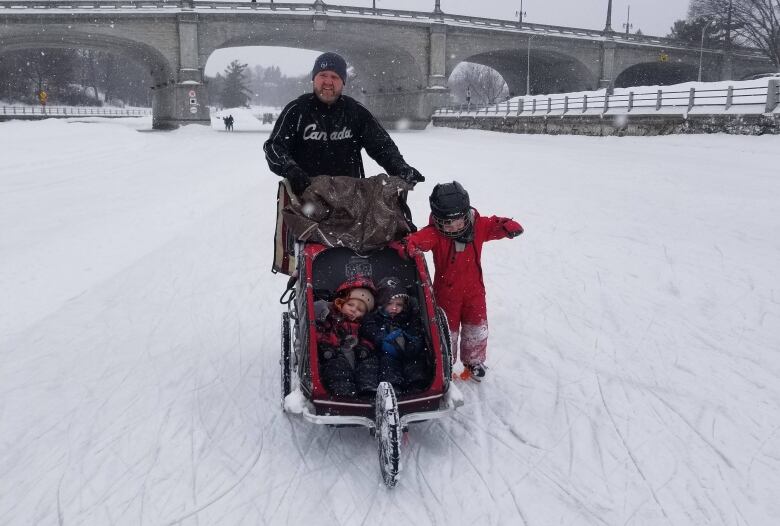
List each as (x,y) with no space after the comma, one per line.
(690,32)
(234,91)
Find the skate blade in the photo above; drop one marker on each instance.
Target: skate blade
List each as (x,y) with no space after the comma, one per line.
(466,376)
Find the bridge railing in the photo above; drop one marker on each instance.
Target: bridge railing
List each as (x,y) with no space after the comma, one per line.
(738,99)
(72,111)
(20,6)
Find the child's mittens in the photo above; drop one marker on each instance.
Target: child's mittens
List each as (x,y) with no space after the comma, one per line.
(362,352)
(393,343)
(327,351)
(512,228)
(404,247)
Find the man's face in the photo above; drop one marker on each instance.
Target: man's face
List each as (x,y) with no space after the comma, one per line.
(354,309)
(328,86)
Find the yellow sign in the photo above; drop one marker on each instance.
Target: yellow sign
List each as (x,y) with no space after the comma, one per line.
(43,96)
(663,57)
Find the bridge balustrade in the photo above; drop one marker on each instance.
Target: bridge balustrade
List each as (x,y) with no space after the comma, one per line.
(72,111)
(33,6)
(738,99)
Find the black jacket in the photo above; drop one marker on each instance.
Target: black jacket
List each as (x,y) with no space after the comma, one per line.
(327,140)
(377,325)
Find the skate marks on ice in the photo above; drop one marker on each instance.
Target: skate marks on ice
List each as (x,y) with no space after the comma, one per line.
(632,325)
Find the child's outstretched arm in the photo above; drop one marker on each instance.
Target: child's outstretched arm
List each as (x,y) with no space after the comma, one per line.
(422,240)
(501,227)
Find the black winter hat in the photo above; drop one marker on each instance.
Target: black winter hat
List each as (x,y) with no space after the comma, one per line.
(330,62)
(389,288)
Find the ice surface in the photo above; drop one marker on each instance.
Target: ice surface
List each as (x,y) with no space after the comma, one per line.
(633,364)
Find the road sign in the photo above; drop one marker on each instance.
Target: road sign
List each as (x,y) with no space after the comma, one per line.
(192,93)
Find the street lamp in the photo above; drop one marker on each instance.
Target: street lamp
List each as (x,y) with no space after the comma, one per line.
(701,48)
(628,25)
(528,69)
(608,26)
(521,14)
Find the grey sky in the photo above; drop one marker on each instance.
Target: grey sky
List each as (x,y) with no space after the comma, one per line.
(653,17)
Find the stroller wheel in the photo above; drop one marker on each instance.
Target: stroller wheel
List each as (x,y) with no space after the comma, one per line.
(285,360)
(388,433)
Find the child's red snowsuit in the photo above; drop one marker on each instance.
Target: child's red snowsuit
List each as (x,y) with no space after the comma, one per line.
(458,284)
(335,328)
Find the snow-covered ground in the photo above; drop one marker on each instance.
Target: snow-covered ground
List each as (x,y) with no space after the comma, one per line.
(635,327)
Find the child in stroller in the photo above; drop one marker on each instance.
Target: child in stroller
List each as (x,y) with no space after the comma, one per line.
(396,331)
(338,341)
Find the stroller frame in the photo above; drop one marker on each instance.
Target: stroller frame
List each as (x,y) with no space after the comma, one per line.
(320,270)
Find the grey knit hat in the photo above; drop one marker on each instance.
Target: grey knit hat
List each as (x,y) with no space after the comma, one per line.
(330,62)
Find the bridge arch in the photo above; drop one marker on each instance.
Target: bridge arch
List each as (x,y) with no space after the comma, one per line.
(656,74)
(390,76)
(550,71)
(483,84)
(402,68)
(159,68)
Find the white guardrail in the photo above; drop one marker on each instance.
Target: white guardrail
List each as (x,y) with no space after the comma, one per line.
(734,99)
(72,111)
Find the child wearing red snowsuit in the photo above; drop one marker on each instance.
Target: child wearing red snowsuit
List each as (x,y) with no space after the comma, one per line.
(455,235)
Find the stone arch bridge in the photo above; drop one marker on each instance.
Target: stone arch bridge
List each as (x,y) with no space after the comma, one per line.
(401,59)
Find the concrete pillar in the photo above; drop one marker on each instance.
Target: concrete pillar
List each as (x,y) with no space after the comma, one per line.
(437,77)
(406,110)
(772,95)
(186,100)
(607,59)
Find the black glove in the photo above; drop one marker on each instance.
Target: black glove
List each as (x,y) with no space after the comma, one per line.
(299,180)
(411,175)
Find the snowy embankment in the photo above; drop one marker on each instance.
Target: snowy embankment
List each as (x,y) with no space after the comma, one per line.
(633,356)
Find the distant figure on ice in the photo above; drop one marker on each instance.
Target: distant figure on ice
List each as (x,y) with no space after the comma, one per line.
(225,121)
(455,234)
(323,133)
(230,122)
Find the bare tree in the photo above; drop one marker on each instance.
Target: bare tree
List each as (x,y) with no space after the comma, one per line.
(754,23)
(485,84)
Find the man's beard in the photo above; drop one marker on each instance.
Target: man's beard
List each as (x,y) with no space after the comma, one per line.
(328,96)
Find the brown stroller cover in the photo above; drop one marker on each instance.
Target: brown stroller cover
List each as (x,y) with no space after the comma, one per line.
(361,214)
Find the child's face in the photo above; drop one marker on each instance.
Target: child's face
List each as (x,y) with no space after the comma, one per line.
(394,307)
(452,225)
(353,309)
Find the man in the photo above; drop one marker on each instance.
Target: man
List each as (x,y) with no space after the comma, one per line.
(323,133)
